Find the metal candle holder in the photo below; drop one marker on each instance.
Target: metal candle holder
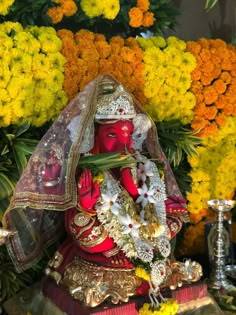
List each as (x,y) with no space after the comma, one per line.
(218,278)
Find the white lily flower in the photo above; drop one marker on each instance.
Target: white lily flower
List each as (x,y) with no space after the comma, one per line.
(145,170)
(130,227)
(146,195)
(109,202)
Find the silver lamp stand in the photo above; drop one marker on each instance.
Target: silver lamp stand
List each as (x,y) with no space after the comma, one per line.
(218,278)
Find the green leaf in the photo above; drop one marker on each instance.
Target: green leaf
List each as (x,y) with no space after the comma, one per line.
(20,158)
(6,186)
(210,4)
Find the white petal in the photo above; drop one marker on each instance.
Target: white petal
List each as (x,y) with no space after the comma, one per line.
(151,199)
(135,232)
(115,210)
(144,202)
(125,220)
(139,199)
(126,230)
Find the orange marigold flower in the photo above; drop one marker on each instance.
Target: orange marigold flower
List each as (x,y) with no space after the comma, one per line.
(217,43)
(199,123)
(84,35)
(105,66)
(136,17)
(90,54)
(127,69)
(193,47)
(148,19)
(204,42)
(210,130)
(55,14)
(226,65)
(200,109)
(220,119)
(221,102)
(228,109)
(115,48)
(210,112)
(196,74)
(143,5)
(207,67)
(99,37)
(226,77)
(205,54)
(127,54)
(117,40)
(196,87)
(206,79)
(131,42)
(65,33)
(103,48)
(220,86)
(210,95)
(199,97)
(69,8)
(216,72)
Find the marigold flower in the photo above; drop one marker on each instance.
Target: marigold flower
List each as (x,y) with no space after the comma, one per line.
(143,5)
(135,17)
(220,86)
(69,8)
(148,19)
(56,14)
(110,9)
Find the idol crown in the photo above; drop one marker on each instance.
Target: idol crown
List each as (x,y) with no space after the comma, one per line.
(115,105)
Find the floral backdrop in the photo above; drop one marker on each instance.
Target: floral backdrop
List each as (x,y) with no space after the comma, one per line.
(49,50)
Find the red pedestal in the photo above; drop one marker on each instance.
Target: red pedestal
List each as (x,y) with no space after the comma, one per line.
(73,307)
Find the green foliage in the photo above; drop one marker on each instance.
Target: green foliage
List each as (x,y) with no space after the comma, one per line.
(29,12)
(210,4)
(178,142)
(15,150)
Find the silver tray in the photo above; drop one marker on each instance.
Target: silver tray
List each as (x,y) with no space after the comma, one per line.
(230,271)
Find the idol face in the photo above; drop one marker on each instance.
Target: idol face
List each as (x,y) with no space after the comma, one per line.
(115,137)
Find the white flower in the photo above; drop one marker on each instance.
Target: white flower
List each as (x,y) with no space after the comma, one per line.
(109,202)
(144,170)
(146,196)
(130,227)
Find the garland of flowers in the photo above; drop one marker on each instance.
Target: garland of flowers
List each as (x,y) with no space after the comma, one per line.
(31,74)
(213,83)
(167,77)
(213,173)
(89,54)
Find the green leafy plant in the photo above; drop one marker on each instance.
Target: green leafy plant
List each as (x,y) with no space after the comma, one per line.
(15,149)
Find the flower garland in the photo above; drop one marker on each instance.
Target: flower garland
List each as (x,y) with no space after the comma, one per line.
(167,76)
(213,174)
(31,74)
(5,6)
(213,83)
(89,54)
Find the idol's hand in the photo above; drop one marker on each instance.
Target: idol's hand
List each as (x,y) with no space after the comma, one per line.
(88,191)
(128,182)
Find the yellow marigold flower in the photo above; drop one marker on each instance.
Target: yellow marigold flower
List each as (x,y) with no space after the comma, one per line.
(145,43)
(5,75)
(5,6)
(9,27)
(69,8)
(135,17)
(176,42)
(25,41)
(111,9)
(154,56)
(50,43)
(143,5)
(158,41)
(92,8)
(56,14)
(5,115)
(142,273)
(148,19)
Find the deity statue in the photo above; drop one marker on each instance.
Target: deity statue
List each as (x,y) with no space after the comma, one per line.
(116,220)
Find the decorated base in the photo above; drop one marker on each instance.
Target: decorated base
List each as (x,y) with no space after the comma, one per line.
(74,307)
